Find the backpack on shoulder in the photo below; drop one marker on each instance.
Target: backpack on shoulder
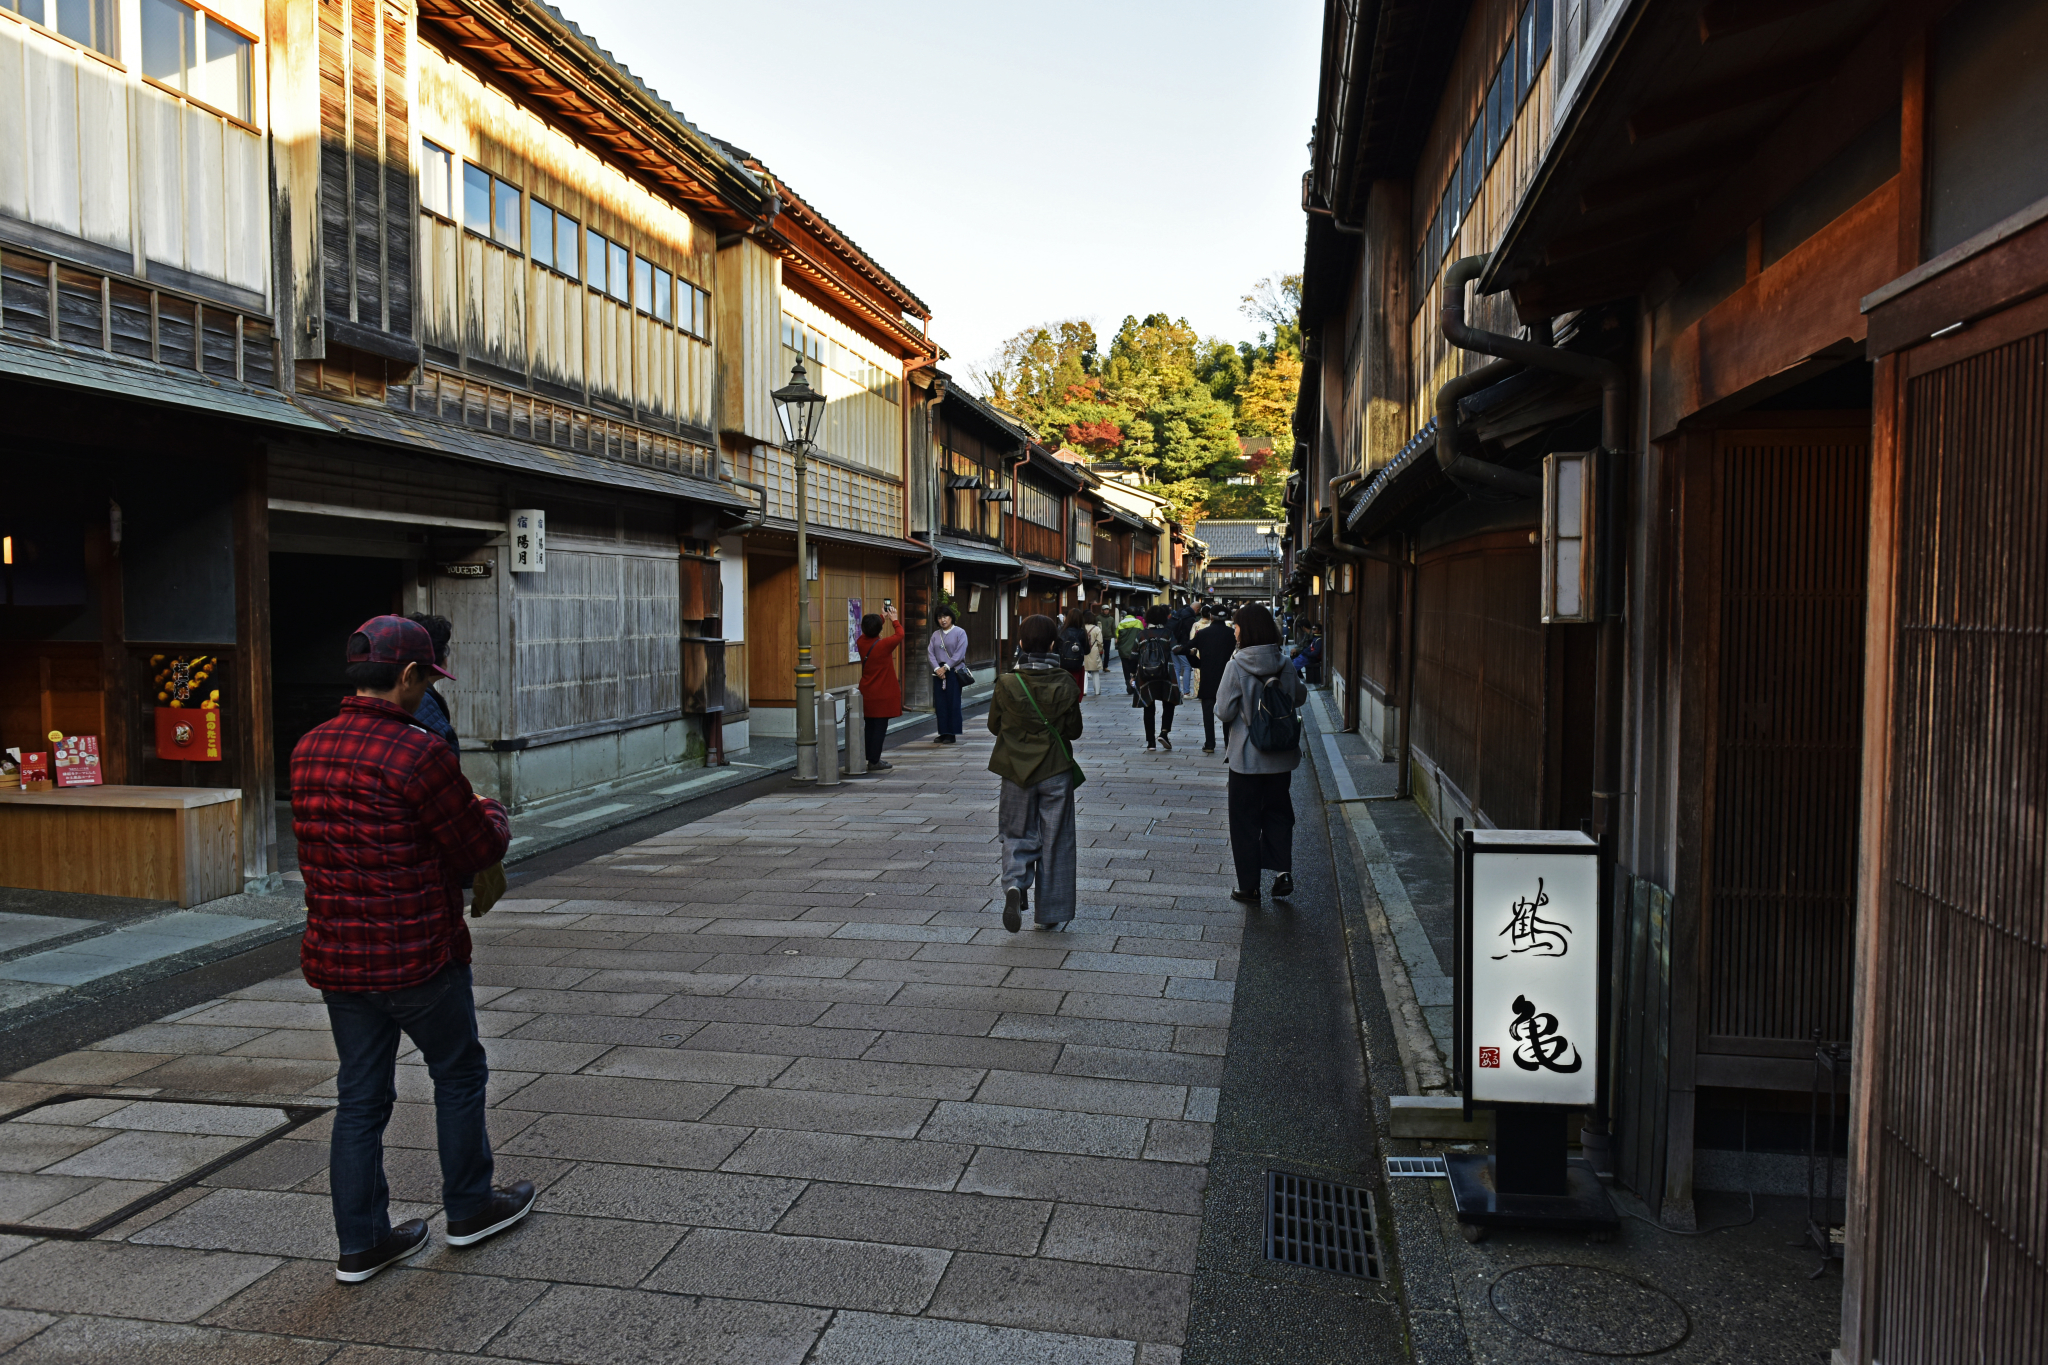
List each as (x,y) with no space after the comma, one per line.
(1275,723)
(1154,658)
(1073,649)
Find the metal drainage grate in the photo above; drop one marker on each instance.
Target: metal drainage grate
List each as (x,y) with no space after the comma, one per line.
(1322,1225)
(1428,1167)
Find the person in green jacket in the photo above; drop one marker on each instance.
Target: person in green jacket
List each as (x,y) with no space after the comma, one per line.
(1128,629)
(1035,813)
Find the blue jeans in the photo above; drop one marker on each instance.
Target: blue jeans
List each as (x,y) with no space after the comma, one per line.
(1184,673)
(439,1015)
(946,702)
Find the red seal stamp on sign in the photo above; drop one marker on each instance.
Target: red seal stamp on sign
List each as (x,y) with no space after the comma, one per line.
(1489,1056)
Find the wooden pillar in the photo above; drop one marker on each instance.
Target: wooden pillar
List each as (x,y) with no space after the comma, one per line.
(120,756)
(250,736)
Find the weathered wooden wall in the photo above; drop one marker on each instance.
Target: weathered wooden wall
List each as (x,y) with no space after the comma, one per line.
(486,301)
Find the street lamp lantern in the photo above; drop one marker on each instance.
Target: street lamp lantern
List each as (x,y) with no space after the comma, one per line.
(798,407)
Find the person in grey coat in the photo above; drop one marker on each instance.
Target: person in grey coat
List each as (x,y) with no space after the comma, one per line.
(1260,802)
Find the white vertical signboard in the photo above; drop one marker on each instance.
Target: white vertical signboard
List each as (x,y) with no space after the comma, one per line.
(1532,943)
(527,528)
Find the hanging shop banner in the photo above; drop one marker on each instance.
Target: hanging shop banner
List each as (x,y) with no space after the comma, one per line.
(853,630)
(527,531)
(1530,984)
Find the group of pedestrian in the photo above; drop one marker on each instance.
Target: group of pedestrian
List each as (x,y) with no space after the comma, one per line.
(390,834)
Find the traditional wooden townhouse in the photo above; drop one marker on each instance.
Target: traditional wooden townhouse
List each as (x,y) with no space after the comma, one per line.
(1671,457)
(791,288)
(1042,489)
(139,370)
(972,448)
(496,262)
(1244,560)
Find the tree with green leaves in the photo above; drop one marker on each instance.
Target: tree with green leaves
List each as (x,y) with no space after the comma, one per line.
(1179,408)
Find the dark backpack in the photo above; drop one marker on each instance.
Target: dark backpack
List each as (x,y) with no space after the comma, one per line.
(1073,648)
(1154,658)
(1275,724)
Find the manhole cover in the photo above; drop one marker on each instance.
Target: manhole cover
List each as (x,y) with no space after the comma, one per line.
(1589,1310)
(73,1166)
(1322,1225)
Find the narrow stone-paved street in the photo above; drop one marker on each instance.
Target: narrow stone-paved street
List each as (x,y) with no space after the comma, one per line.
(790,1091)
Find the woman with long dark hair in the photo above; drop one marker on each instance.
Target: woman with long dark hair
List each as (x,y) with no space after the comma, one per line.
(1257,679)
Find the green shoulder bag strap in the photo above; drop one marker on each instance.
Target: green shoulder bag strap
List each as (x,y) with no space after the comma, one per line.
(1073,766)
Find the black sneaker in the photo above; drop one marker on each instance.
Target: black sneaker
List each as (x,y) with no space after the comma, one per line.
(1208,748)
(1283,886)
(1246,897)
(405,1240)
(1014,908)
(1166,743)
(508,1205)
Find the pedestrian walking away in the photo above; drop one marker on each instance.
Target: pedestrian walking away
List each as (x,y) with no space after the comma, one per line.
(947,651)
(1092,665)
(1035,716)
(1181,620)
(1128,629)
(1073,645)
(387,828)
(1257,701)
(1152,661)
(1211,647)
(881,690)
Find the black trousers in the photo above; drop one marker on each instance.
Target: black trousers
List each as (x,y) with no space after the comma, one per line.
(1208,722)
(877,731)
(1261,825)
(1165,721)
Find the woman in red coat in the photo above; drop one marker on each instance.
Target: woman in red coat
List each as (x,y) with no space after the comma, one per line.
(881,690)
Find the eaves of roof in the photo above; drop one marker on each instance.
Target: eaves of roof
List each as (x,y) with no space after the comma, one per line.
(550,63)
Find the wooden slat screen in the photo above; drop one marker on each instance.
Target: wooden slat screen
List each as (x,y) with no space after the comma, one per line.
(1479,675)
(1376,580)
(1788,738)
(366,208)
(1960,1197)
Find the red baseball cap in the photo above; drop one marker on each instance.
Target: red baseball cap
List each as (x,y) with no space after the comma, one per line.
(395,640)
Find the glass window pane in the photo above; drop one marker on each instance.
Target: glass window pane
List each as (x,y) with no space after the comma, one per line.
(227,70)
(541,235)
(476,198)
(643,284)
(618,271)
(664,296)
(593,259)
(436,164)
(565,246)
(505,227)
(31,10)
(168,41)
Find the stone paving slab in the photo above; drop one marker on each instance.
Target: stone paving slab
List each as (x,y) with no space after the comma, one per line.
(789,1091)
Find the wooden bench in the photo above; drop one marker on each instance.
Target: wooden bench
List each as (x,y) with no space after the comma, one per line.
(180,844)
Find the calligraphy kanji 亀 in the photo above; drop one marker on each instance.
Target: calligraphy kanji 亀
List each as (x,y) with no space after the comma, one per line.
(1532,1026)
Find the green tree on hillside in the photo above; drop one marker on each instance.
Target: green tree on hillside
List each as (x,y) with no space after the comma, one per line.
(1165,401)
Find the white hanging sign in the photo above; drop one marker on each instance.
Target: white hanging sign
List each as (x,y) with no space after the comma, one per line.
(1531,999)
(527,529)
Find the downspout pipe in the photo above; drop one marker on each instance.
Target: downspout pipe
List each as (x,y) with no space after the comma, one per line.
(1469,471)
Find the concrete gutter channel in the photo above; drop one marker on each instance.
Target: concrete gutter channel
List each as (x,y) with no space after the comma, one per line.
(45,975)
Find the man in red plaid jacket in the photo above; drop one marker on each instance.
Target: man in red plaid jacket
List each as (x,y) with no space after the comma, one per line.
(388,829)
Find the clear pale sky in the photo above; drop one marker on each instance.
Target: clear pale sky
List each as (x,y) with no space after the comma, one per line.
(1013,164)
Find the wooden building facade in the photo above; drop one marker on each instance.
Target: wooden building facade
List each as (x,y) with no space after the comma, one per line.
(304,300)
(1780,266)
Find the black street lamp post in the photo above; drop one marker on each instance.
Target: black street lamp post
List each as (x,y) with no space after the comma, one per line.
(799,407)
